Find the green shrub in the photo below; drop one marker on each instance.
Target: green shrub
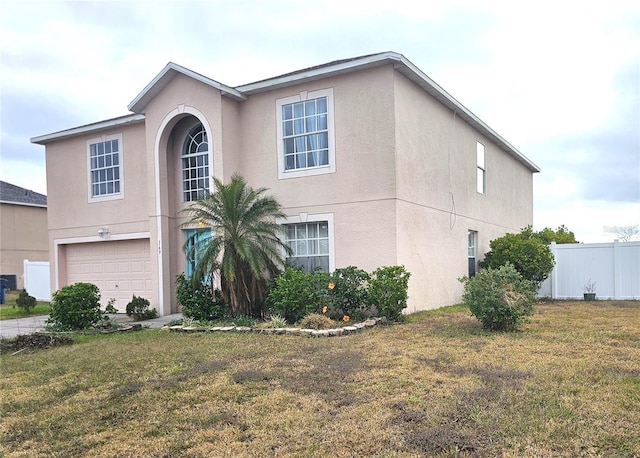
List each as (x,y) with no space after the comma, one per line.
(348,293)
(294,293)
(76,307)
(275,321)
(198,301)
(317,321)
(499,298)
(526,251)
(388,291)
(244,321)
(25,301)
(138,308)
(110,308)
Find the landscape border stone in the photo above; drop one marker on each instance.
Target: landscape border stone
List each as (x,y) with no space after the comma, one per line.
(334,332)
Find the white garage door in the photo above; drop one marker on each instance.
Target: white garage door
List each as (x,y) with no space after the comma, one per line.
(120,269)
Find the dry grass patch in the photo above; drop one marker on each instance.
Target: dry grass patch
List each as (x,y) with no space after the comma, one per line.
(567,385)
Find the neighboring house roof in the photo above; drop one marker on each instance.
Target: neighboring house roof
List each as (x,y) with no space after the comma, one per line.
(338,67)
(12,194)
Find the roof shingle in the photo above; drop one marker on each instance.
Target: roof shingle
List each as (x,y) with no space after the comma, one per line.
(15,194)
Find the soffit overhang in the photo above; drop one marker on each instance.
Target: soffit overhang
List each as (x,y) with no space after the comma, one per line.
(89,128)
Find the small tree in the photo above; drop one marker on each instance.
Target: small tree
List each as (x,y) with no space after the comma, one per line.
(244,247)
(560,235)
(499,298)
(623,233)
(25,301)
(76,307)
(531,257)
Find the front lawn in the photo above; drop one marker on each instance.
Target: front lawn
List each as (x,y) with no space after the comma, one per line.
(567,385)
(10,310)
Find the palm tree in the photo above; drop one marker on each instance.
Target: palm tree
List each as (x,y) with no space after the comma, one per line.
(244,246)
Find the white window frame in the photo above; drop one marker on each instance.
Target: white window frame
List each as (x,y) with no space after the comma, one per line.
(107,197)
(315,218)
(472,249)
(320,170)
(481,170)
(187,155)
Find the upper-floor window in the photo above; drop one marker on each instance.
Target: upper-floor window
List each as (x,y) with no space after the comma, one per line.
(305,134)
(104,161)
(195,164)
(481,172)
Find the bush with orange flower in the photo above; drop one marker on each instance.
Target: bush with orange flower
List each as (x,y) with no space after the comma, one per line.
(348,293)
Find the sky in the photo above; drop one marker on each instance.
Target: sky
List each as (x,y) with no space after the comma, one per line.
(559,80)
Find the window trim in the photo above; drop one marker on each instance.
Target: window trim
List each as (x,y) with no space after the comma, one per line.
(320,170)
(102,139)
(315,218)
(481,169)
(185,154)
(471,233)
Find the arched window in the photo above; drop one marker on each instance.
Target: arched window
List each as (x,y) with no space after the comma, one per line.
(195,164)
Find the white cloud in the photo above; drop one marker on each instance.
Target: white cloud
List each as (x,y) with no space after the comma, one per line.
(551,77)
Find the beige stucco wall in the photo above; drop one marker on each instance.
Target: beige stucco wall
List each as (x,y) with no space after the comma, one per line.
(23,235)
(72,218)
(70,212)
(360,193)
(437,199)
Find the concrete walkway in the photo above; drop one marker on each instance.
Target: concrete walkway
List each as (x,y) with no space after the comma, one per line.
(19,326)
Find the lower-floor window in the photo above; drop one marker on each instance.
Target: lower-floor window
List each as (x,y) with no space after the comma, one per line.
(471,252)
(309,243)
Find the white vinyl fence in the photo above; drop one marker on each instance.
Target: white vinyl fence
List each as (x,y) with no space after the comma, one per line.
(36,280)
(614,267)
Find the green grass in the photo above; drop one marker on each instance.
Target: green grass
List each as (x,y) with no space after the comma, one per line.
(10,310)
(567,384)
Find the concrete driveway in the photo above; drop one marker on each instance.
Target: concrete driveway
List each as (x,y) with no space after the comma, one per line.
(20,326)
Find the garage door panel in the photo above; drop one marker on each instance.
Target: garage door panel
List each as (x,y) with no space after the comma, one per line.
(136,266)
(119,269)
(97,268)
(79,268)
(107,249)
(110,267)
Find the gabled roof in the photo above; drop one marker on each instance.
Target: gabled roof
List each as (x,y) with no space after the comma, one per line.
(166,75)
(404,66)
(12,194)
(338,67)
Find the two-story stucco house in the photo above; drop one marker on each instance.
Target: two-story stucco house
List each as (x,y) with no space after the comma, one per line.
(373,162)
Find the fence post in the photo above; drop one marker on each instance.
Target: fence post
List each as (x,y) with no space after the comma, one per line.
(617,270)
(553,278)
